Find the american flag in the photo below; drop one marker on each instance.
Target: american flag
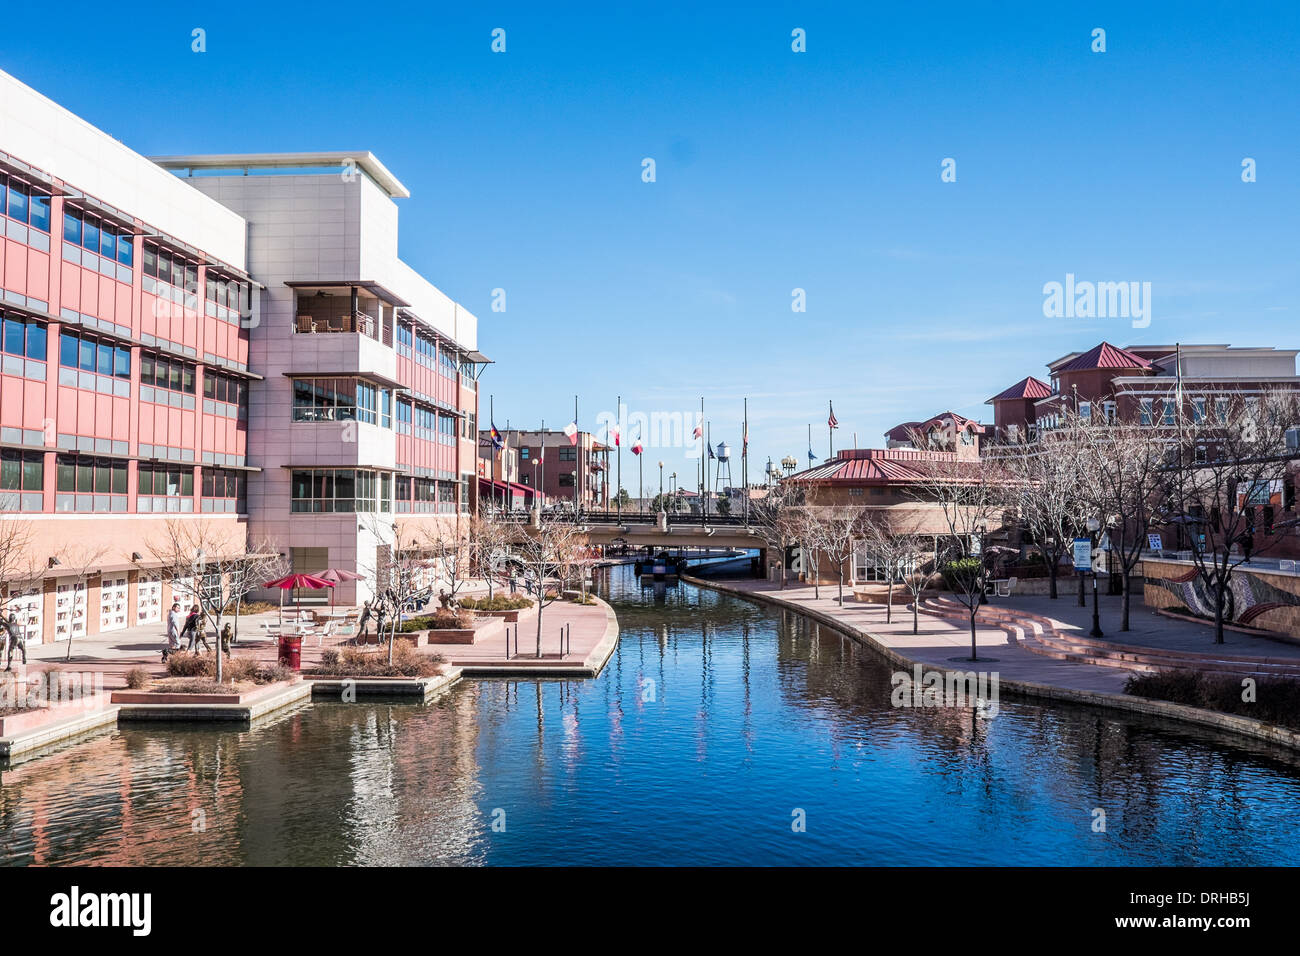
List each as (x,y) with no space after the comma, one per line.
(833,422)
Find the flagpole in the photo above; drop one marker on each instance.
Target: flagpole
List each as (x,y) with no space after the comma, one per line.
(541,482)
(810,440)
(744,459)
(708,440)
(618,441)
(830,429)
(703,476)
(492,424)
(577,478)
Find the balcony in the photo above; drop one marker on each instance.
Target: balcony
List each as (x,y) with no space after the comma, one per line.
(361,308)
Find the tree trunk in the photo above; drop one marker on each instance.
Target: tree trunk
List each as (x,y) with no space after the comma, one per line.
(1079,574)
(889,602)
(540,597)
(974,647)
(1219,588)
(1124,601)
(916,611)
(841,588)
(1051,578)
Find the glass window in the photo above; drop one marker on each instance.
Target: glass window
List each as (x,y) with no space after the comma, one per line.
(72,228)
(66,474)
(103,358)
(150,261)
(33,471)
(108,242)
(36,341)
(85,475)
(90,235)
(17,202)
(122,362)
(40,212)
(68,350)
(15,335)
(125,250)
(119,477)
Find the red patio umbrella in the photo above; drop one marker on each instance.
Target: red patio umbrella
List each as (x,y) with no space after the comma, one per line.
(338,576)
(296,581)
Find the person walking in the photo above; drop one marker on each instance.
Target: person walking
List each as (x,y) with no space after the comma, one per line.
(175,623)
(191,630)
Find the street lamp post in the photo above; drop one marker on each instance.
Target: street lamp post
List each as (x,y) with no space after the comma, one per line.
(661,486)
(1093,526)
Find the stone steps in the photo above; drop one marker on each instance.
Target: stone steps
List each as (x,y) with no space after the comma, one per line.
(1042,635)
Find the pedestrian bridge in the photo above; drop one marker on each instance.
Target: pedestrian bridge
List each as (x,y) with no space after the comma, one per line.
(647,530)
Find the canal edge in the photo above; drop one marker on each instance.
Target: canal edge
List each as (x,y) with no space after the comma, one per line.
(1232,723)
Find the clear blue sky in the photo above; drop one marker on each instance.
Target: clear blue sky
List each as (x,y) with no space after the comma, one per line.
(775,170)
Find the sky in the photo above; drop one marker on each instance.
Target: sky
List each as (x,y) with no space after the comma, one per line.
(774,171)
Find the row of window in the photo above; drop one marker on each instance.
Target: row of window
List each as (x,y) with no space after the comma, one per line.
(227,292)
(92,355)
(99,236)
(341,399)
(171,268)
(169,373)
(340,490)
(84,475)
(225,388)
(24,203)
(22,470)
(25,337)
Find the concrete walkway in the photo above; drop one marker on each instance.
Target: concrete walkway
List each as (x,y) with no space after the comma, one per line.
(592,636)
(939,641)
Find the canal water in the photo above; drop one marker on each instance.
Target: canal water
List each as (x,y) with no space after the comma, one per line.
(720,732)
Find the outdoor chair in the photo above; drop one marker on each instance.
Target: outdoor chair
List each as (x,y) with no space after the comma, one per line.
(1004,588)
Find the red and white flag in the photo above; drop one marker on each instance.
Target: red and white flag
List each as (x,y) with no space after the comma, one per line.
(636,447)
(833,422)
(613,430)
(699,431)
(571,432)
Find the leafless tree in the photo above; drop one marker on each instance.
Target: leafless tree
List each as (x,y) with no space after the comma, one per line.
(82,562)
(452,553)
(834,532)
(215,557)
(490,537)
(776,516)
(1121,467)
(894,545)
(1047,492)
(971,495)
(395,578)
(549,553)
(1222,482)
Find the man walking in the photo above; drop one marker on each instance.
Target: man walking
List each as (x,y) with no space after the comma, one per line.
(174,624)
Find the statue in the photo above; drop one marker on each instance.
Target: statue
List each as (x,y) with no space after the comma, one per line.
(14,637)
(444,599)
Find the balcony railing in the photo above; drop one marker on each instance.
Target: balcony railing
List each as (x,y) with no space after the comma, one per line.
(345,322)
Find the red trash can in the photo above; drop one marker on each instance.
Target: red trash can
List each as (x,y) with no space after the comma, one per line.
(291,652)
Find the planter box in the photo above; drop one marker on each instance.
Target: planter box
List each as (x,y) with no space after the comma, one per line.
(167,697)
(448,635)
(31,719)
(510,617)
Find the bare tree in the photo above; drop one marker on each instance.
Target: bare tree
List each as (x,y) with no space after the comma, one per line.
(396,582)
(833,533)
(549,552)
(490,537)
(776,517)
(17,567)
(972,496)
(896,547)
(221,568)
(1047,493)
(83,562)
(1121,469)
(452,554)
(1222,484)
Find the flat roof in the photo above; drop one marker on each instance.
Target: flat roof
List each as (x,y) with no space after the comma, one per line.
(362,158)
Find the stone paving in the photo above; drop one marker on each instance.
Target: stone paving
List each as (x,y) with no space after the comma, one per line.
(116,653)
(946,643)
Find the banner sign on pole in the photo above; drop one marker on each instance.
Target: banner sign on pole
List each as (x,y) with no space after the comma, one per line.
(1083,554)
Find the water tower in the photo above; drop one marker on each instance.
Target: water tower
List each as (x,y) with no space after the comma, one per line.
(723,471)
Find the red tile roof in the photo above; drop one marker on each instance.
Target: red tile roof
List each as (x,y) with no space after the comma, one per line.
(870,466)
(1028,387)
(904,431)
(1104,355)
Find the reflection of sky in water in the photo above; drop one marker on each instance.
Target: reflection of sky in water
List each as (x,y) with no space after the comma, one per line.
(714,722)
